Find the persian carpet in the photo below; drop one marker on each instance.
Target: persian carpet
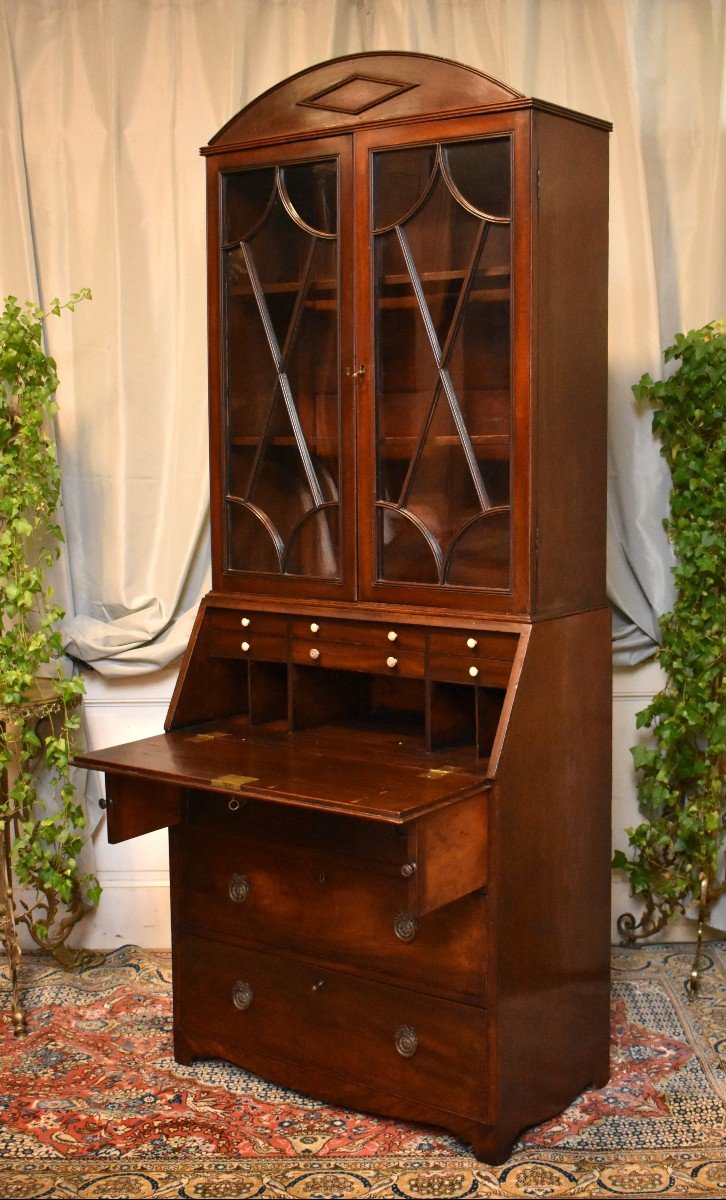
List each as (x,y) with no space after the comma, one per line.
(92,1104)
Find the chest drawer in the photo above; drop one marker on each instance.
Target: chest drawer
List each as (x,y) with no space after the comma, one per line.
(383,637)
(249,622)
(318,903)
(475,644)
(239,1001)
(352,657)
(261,647)
(449,668)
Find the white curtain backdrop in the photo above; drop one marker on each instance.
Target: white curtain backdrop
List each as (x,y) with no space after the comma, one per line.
(103,105)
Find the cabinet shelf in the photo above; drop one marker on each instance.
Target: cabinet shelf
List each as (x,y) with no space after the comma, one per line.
(323,291)
(491,446)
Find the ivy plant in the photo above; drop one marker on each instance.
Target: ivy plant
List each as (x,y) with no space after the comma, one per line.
(676,851)
(41,821)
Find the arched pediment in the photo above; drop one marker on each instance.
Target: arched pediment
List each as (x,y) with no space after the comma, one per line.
(361,89)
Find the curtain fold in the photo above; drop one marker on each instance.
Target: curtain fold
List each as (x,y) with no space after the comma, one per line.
(104,106)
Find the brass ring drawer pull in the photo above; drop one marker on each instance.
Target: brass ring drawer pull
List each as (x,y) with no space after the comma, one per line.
(239,888)
(406,1041)
(242,995)
(405,926)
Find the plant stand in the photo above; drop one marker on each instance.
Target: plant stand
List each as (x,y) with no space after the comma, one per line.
(41,706)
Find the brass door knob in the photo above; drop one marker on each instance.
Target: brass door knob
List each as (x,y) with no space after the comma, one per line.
(242,995)
(405,926)
(406,1041)
(239,888)
(408,869)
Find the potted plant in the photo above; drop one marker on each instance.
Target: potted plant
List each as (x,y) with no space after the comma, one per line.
(676,859)
(41,825)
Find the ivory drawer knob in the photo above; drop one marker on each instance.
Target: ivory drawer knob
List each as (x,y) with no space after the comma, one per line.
(391,662)
(392,635)
(245,646)
(314,628)
(245,622)
(473,671)
(314,654)
(472,643)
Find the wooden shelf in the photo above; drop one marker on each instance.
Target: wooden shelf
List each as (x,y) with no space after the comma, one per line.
(324,447)
(323,291)
(496,446)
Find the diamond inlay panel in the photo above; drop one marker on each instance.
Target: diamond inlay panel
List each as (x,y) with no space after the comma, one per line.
(356,94)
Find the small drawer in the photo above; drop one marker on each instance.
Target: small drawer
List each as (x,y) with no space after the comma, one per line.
(233,643)
(248,623)
(473,644)
(246,1003)
(484,672)
(324,905)
(351,657)
(384,637)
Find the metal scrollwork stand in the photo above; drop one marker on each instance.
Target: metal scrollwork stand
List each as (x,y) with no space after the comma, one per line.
(46,704)
(693,982)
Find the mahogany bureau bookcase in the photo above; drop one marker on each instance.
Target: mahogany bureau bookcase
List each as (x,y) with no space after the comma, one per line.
(386,765)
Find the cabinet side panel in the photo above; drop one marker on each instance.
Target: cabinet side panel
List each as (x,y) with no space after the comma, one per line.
(550,873)
(571,246)
(208,688)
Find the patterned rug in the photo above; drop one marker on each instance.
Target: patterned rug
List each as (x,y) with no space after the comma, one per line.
(92,1104)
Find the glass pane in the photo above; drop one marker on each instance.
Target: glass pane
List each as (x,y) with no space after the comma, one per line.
(311,549)
(312,190)
(406,553)
(401,179)
(281,373)
(443,396)
(480,557)
(246,197)
(481,173)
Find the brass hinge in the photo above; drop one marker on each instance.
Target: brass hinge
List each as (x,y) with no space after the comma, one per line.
(233,781)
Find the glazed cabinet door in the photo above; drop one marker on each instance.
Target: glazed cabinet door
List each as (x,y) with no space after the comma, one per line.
(444,261)
(281,317)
